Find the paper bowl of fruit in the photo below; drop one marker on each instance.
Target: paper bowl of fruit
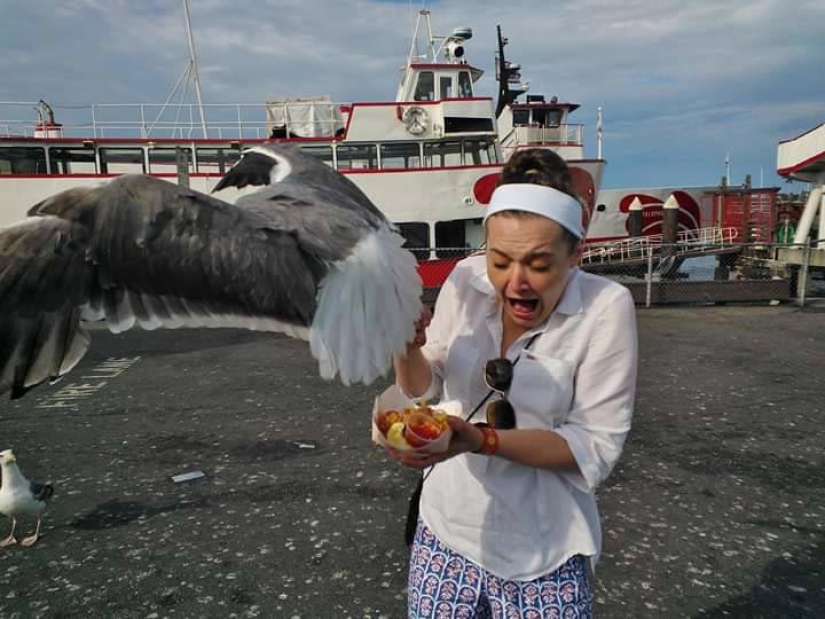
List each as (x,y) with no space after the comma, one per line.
(404,425)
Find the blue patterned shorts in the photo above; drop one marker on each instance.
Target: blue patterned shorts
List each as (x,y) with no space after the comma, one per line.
(446,585)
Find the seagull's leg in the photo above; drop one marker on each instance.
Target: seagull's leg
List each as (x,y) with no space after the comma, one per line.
(31,539)
(10,540)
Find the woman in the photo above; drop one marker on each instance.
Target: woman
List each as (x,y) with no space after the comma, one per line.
(509,525)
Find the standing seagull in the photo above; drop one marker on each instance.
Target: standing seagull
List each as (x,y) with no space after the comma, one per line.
(20,497)
(307,255)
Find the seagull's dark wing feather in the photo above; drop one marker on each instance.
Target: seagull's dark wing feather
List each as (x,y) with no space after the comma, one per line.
(41,492)
(253,169)
(140,249)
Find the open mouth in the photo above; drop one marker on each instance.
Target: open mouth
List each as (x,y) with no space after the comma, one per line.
(523,307)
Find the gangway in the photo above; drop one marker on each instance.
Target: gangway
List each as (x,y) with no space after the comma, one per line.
(639,250)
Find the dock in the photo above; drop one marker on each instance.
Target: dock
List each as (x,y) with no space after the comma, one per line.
(717,507)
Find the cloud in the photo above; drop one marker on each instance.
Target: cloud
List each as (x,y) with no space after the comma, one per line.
(681,83)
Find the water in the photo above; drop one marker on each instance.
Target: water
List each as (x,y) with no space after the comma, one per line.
(699,269)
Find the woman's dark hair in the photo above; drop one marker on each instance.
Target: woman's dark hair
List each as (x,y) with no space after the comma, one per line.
(540,166)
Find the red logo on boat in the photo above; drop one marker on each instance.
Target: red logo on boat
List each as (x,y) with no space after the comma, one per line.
(484,187)
(690,216)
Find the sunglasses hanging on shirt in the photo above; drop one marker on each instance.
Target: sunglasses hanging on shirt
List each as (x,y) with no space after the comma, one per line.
(498,376)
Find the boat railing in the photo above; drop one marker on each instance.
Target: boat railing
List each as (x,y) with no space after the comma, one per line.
(140,120)
(564,135)
(638,248)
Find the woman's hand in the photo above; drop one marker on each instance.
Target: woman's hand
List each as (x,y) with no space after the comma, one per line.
(421,325)
(466,438)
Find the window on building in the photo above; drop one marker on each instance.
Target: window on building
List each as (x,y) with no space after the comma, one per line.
(22,160)
(465,84)
(425,88)
(122,161)
(72,160)
(165,160)
(400,156)
(357,157)
(217,160)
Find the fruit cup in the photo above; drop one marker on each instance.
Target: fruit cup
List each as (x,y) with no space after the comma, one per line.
(411,431)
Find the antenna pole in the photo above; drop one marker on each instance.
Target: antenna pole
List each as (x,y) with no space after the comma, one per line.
(193,63)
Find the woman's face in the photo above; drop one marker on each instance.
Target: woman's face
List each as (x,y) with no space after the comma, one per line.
(528,263)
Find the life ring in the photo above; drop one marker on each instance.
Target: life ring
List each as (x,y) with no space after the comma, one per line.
(416,120)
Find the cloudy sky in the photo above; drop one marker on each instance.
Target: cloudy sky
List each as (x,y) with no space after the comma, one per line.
(682,83)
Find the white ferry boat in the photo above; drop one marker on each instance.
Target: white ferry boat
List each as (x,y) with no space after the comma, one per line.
(428,159)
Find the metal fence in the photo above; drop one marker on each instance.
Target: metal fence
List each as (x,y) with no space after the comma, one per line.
(661,274)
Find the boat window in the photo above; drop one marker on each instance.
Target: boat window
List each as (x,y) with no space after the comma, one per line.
(465,84)
(22,160)
(417,235)
(322,151)
(445,83)
(400,156)
(425,88)
(216,160)
(165,160)
(521,117)
(72,160)
(357,157)
(450,239)
(122,161)
(441,154)
(479,152)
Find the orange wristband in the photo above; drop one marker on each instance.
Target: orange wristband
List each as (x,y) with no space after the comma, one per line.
(490,444)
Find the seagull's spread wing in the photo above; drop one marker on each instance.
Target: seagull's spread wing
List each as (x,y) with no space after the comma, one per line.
(369,300)
(311,259)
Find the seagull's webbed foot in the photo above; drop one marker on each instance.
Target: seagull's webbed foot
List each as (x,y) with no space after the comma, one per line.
(10,540)
(31,539)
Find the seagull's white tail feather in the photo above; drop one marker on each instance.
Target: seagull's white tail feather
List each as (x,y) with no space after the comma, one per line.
(367,308)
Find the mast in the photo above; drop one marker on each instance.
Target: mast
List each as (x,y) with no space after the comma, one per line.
(509,77)
(193,65)
(503,74)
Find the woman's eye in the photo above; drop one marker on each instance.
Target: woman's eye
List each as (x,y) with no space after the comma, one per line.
(500,265)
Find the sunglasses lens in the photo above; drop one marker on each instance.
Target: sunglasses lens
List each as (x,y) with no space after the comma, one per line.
(499,374)
(501,415)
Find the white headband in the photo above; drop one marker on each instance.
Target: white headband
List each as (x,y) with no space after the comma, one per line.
(541,200)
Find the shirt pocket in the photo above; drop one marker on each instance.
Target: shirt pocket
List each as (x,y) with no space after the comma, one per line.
(542,391)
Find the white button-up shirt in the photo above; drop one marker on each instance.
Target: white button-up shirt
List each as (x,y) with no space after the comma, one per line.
(578,379)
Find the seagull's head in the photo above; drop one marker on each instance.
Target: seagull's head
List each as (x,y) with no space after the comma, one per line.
(7,457)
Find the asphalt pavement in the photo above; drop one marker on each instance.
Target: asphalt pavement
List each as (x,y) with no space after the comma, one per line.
(717,508)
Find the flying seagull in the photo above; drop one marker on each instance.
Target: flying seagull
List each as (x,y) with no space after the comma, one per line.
(307,254)
(20,497)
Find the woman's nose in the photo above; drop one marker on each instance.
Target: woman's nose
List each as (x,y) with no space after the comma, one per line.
(518,278)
